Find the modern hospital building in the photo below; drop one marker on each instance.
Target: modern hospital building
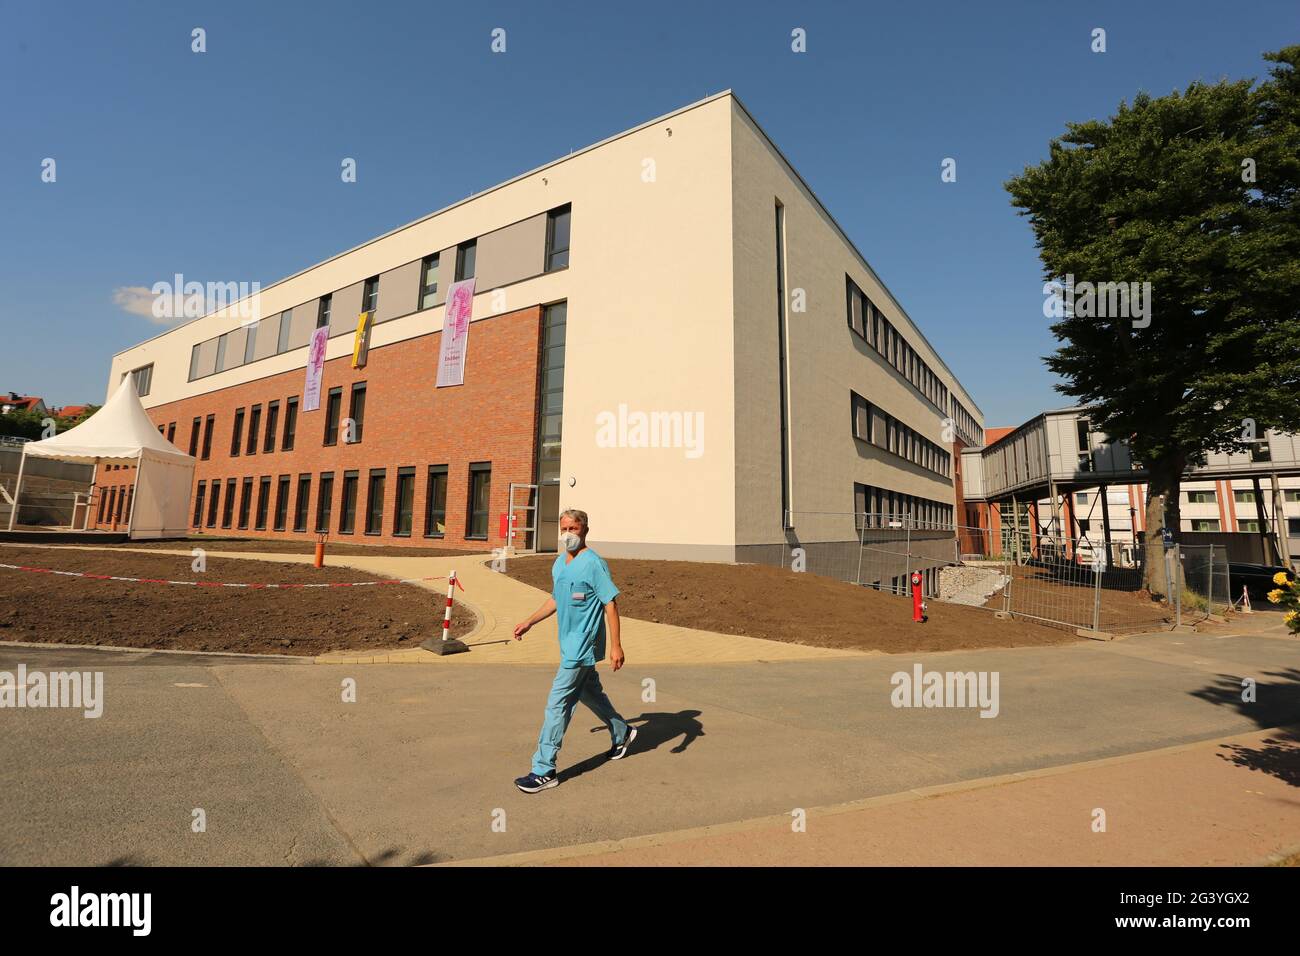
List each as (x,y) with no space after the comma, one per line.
(669,331)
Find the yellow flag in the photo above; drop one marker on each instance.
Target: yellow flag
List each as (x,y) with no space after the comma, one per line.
(361,345)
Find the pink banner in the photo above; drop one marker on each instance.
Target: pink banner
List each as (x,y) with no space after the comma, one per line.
(455,333)
(315,369)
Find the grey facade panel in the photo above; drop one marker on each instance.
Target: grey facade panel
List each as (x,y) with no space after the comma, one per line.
(207,358)
(399,292)
(268,336)
(510,254)
(346,308)
(302,325)
(235,348)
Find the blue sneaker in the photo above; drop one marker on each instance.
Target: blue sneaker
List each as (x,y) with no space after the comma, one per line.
(620,751)
(533,783)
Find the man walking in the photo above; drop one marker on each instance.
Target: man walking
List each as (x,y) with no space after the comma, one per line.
(582,594)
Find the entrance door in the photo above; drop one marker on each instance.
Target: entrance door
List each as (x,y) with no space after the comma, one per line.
(548,517)
(523,517)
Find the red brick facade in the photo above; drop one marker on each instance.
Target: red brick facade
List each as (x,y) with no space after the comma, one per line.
(407,423)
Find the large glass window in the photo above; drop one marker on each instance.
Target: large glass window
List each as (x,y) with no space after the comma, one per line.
(466,254)
(207,436)
(290,423)
(301,504)
(428,281)
(357,409)
(237,433)
(324,502)
(250,341)
(282,503)
(333,406)
(198,504)
(245,502)
(370,296)
(143,379)
(214,502)
(324,309)
(254,423)
(480,499)
(194,437)
(405,501)
(263,502)
(348,506)
(221,352)
(228,509)
(375,502)
(282,342)
(557,238)
(272,420)
(550,421)
(435,503)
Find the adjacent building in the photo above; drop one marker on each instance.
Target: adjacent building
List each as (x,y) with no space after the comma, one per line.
(668,331)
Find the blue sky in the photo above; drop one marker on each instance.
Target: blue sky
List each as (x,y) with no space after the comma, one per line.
(224,166)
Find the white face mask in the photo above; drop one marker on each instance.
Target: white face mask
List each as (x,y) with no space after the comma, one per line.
(570,541)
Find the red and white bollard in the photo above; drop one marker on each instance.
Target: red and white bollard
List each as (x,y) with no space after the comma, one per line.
(1245,601)
(918,605)
(447,644)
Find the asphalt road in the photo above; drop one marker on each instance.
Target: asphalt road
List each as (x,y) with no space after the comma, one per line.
(419,768)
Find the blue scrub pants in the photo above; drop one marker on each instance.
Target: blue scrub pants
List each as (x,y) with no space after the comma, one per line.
(573,684)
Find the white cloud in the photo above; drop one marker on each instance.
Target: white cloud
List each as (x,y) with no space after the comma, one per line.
(139,300)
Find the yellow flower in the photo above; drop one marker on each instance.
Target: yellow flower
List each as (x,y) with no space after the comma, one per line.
(1275,597)
(1291,616)
(1280,578)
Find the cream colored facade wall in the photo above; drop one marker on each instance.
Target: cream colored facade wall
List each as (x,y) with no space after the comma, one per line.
(826,360)
(650,320)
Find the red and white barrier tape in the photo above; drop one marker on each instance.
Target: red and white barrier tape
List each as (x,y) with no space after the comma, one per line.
(221,584)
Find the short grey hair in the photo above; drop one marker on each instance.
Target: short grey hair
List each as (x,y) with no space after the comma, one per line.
(576,515)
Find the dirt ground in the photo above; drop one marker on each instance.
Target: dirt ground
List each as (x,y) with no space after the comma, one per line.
(305,546)
(771,603)
(49,608)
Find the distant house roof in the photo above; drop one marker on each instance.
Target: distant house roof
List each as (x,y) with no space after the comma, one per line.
(993,434)
(24,402)
(72,411)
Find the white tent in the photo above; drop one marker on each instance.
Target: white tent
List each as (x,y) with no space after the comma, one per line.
(121,432)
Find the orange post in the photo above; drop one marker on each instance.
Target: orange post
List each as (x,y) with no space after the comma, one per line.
(320,551)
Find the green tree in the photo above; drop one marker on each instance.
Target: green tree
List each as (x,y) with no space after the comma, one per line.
(21,423)
(1194,192)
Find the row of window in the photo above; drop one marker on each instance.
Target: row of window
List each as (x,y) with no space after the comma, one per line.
(292,499)
(968,430)
(1251,526)
(115,504)
(557,257)
(870,325)
(874,425)
(143,377)
(205,426)
(1240,497)
(882,508)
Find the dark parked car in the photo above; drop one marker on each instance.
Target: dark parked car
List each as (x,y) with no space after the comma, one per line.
(1257,578)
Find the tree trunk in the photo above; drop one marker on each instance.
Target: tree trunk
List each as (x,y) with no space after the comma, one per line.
(1164,477)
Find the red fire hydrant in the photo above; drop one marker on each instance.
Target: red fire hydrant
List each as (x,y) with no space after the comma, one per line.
(918,605)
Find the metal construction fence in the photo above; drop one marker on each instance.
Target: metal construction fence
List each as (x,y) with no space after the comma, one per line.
(1054,579)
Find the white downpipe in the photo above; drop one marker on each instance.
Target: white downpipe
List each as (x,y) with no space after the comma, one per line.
(18,489)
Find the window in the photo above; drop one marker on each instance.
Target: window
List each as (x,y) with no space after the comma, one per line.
(245,503)
(551,420)
(1260,452)
(221,352)
(300,506)
(290,423)
(286,324)
(171,432)
(402,518)
(1293,527)
(254,423)
(194,438)
(332,405)
(466,253)
(375,502)
(281,502)
(435,503)
(428,281)
(198,504)
(1251,526)
(1201,497)
(348,506)
(370,296)
(480,490)
(194,361)
(324,502)
(272,419)
(557,238)
(856,301)
(263,502)
(323,310)
(1291,494)
(1244,497)
(1206,524)
(250,341)
(357,410)
(228,509)
(238,431)
(143,378)
(861,416)
(207,436)
(1081,497)
(213,502)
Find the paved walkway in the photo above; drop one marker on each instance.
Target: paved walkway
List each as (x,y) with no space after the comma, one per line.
(1198,803)
(502,602)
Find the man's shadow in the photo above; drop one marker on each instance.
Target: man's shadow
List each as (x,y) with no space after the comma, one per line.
(652,730)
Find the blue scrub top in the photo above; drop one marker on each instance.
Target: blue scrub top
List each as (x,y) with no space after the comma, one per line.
(581,589)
